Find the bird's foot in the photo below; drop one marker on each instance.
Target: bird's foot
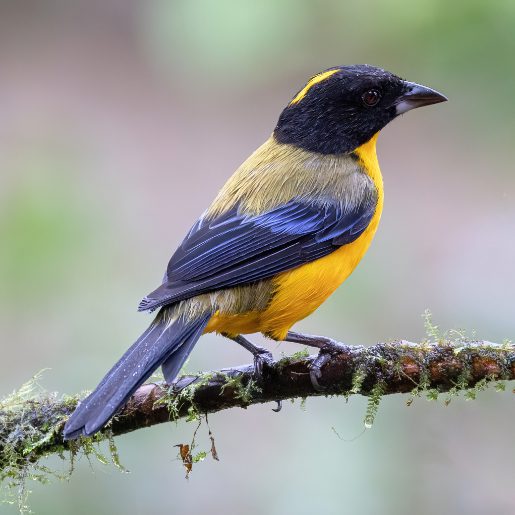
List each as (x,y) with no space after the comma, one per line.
(262,359)
(315,369)
(328,348)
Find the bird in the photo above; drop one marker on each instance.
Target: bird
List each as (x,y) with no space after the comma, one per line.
(284,232)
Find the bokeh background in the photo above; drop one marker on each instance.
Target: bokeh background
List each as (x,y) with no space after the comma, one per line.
(119,121)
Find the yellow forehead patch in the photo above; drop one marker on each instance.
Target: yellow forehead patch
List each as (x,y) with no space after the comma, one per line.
(314,80)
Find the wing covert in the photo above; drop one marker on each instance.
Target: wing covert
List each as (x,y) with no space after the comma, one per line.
(236,248)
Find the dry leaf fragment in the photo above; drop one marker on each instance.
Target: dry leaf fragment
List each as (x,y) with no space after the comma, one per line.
(214,454)
(185,455)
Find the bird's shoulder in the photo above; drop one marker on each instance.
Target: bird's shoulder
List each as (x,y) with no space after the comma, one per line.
(277,173)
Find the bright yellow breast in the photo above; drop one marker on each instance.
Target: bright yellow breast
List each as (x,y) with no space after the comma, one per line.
(301,291)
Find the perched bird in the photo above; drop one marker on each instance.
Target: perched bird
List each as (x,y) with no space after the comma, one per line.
(284,232)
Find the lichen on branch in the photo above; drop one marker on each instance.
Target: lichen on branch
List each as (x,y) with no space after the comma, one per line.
(31,420)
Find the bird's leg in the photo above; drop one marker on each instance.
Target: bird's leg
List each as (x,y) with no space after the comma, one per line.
(261,356)
(328,347)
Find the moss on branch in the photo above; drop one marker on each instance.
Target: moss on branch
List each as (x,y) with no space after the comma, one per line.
(31,420)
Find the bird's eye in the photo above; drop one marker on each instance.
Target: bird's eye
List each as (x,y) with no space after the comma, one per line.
(371,97)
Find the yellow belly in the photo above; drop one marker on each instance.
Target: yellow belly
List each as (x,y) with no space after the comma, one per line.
(299,292)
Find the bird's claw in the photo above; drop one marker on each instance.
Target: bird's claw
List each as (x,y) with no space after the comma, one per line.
(315,370)
(279,406)
(262,359)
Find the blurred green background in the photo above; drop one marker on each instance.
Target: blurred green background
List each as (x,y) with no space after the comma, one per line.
(119,121)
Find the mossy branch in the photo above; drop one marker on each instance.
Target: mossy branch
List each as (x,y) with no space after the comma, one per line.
(31,428)
(31,420)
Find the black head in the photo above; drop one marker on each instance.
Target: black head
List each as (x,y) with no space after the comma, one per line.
(340,109)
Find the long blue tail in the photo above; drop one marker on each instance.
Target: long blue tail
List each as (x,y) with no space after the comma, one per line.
(167,342)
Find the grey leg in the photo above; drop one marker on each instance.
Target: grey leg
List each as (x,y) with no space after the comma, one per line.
(261,356)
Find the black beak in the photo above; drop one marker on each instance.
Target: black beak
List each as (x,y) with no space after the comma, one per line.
(415,96)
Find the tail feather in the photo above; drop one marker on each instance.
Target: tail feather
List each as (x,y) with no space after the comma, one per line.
(174,362)
(167,342)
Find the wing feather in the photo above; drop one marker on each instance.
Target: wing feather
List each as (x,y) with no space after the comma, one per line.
(235,248)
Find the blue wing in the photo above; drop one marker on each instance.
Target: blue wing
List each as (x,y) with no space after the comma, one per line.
(235,248)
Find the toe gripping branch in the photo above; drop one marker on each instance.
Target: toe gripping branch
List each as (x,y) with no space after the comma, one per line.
(328,348)
(262,357)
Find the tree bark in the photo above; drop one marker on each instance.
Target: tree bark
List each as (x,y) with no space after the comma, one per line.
(386,368)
